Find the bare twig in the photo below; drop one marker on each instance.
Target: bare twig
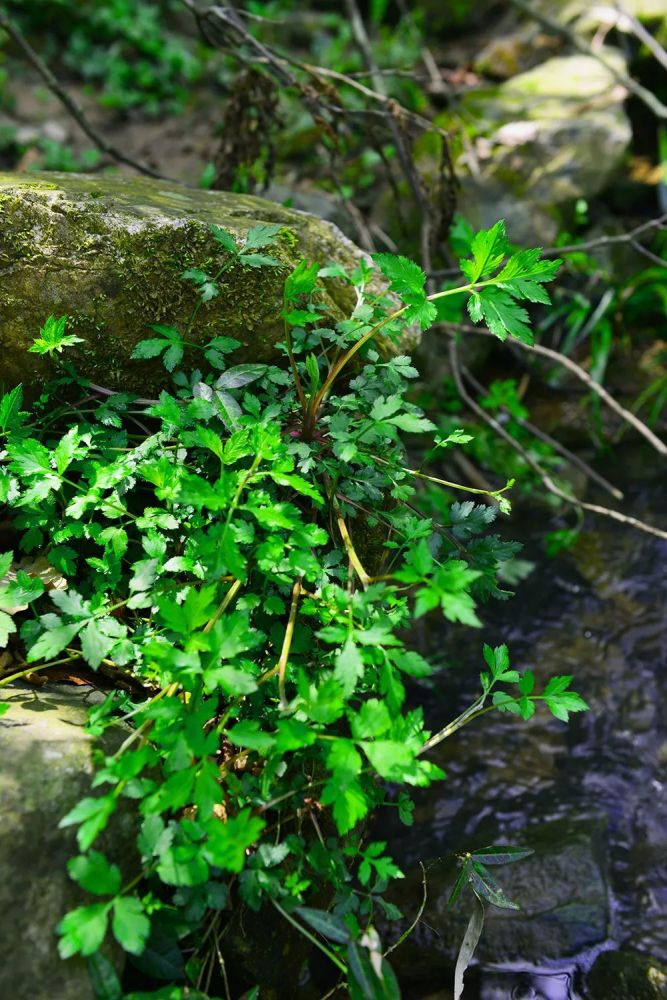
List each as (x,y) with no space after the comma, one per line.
(626,22)
(404,154)
(580,373)
(406,934)
(607,241)
(650,100)
(70,104)
(547,481)
(224,27)
(645,252)
(552,442)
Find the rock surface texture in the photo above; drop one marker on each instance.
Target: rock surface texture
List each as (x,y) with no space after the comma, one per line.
(564,909)
(627,975)
(45,768)
(109,252)
(545,138)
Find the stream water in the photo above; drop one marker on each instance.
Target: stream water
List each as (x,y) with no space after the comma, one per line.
(588,796)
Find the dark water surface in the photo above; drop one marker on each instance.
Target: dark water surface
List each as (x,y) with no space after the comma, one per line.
(597,784)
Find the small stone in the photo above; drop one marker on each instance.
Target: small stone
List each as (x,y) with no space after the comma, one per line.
(546,138)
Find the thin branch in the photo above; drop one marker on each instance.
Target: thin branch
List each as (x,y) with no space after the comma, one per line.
(70,104)
(552,442)
(607,241)
(625,21)
(645,252)
(406,934)
(444,482)
(547,481)
(287,642)
(404,154)
(580,373)
(650,100)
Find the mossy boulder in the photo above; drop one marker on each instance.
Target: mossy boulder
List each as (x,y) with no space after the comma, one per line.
(46,767)
(627,975)
(109,252)
(543,139)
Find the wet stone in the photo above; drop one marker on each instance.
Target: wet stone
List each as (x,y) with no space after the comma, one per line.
(627,975)
(561,890)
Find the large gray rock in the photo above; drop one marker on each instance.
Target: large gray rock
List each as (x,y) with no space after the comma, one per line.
(561,890)
(45,769)
(545,138)
(109,252)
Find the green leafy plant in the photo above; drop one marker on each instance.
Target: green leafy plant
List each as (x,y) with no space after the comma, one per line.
(251,551)
(474,873)
(122,45)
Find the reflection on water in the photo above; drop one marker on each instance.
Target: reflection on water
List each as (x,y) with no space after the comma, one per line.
(596,612)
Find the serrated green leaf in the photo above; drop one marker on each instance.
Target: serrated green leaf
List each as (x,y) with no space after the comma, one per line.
(95,873)
(261,235)
(392,760)
(10,410)
(259,260)
(228,842)
(53,641)
(224,238)
(488,250)
(405,276)
(52,337)
(83,930)
(250,734)
(349,804)
(560,705)
(130,924)
(301,281)
(372,720)
(349,667)
(527,682)
(411,423)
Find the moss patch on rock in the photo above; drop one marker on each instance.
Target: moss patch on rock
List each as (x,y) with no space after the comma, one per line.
(109,253)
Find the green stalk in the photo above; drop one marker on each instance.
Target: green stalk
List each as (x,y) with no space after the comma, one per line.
(317,401)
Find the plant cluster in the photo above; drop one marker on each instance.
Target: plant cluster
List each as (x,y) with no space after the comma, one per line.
(122,46)
(251,548)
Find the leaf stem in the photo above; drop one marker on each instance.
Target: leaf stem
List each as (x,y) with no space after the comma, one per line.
(33,670)
(331,955)
(445,482)
(287,642)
